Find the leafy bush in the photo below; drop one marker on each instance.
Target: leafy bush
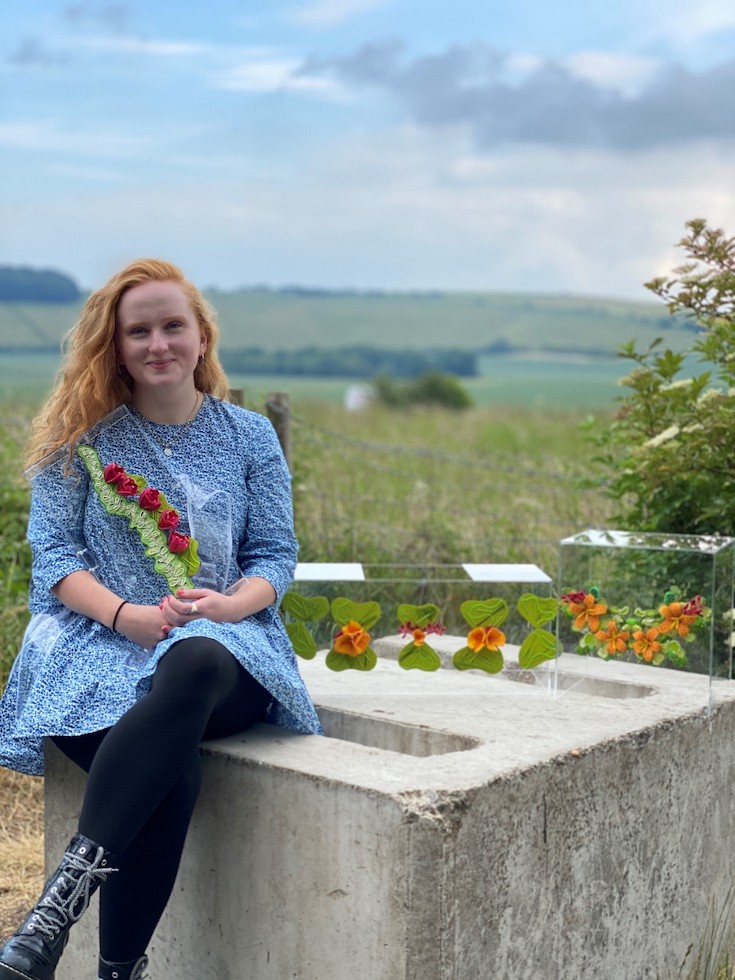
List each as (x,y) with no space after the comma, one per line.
(431,388)
(669,454)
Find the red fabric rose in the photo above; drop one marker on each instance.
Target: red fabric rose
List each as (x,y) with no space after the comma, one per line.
(126,487)
(150,499)
(113,472)
(178,542)
(168,520)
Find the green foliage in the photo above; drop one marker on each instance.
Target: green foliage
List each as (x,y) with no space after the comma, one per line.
(669,454)
(358,361)
(431,388)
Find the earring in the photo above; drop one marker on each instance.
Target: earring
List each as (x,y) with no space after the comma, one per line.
(201,358)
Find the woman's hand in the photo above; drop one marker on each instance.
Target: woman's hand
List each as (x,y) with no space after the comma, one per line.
(253,595)
(189,604)
(144,625)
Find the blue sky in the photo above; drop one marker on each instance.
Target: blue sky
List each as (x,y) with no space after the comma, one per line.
(401,144)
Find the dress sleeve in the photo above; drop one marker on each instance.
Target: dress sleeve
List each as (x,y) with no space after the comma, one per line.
(55,528)
(269,547)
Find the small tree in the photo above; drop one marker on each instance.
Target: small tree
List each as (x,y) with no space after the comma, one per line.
(669,453)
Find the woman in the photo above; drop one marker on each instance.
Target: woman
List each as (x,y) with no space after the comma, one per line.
(162,540)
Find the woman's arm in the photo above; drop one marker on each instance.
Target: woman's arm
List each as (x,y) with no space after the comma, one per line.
(82,593)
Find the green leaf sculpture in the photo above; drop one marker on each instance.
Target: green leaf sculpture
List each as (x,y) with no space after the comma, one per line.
(491,661)
(418,655)
(484,612)
(304,609)
(537,647)
(537,610)
(351,648)
(301,639)
(418,615)
(485,638)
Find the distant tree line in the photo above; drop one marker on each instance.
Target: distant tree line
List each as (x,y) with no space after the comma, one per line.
(349,362)
(24,285)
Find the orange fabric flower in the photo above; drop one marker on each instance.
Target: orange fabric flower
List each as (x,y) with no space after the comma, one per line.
(676,619)
(645,643)
(485,636)
(614,638)
(419,637)
(352,639)
(587,613)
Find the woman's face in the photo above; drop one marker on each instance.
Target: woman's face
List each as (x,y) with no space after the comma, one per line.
(157,336)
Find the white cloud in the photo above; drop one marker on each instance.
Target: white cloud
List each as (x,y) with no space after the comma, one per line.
(273,73)
(141,46)
(52,136)
(326,13)
(402,209)
(627,74)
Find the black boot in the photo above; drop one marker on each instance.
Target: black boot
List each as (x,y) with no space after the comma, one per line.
(34,950)
(123,971)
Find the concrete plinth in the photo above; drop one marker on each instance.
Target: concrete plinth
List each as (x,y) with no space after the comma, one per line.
(454,826)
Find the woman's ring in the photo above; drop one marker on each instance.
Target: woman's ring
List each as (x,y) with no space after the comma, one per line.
(193,611)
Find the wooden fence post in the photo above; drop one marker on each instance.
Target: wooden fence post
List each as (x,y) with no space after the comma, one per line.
(278,410)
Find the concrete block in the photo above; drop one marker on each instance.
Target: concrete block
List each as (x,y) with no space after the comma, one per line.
(452,826)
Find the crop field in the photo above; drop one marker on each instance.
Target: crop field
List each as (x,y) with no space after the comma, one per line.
(281,320)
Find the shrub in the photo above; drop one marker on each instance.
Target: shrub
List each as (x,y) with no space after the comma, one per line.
(431,388)
(668,457)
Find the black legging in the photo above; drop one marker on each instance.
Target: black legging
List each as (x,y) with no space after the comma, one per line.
(144,779)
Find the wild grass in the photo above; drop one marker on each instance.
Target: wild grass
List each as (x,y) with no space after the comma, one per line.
(21,846)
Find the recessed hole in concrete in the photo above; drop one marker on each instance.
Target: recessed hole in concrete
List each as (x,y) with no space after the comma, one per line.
(599,687)
(392,736)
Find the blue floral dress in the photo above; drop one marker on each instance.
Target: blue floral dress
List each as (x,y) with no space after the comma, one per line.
(227,478)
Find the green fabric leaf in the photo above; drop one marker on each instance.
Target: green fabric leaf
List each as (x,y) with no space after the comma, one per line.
(342,661)
(422,657)
(306,608)
(301,639)
(190,558)
(538,646)
(536,609)
(418,615)
(490,661)
(484,612)
(364,613)
(175,568)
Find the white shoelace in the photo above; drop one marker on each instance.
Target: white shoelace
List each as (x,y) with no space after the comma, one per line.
(54,912)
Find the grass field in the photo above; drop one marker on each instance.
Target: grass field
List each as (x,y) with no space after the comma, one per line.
(537,382)
(468,321)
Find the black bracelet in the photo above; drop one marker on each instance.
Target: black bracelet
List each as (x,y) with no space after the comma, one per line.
(114,621)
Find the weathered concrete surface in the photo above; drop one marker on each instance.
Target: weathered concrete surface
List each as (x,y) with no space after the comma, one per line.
(463,827)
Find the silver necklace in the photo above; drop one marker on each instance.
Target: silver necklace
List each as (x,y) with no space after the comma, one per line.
(168,447)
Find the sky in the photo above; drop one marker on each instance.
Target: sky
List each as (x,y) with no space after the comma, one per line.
(548,146)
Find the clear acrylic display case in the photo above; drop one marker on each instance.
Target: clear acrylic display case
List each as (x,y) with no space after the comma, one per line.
(446,586)
(641,573)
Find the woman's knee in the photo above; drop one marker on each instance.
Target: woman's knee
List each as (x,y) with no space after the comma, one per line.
(198,664)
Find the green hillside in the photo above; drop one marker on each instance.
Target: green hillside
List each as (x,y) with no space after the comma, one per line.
(290,320)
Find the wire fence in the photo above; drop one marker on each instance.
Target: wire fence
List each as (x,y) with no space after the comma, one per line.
(361,500)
